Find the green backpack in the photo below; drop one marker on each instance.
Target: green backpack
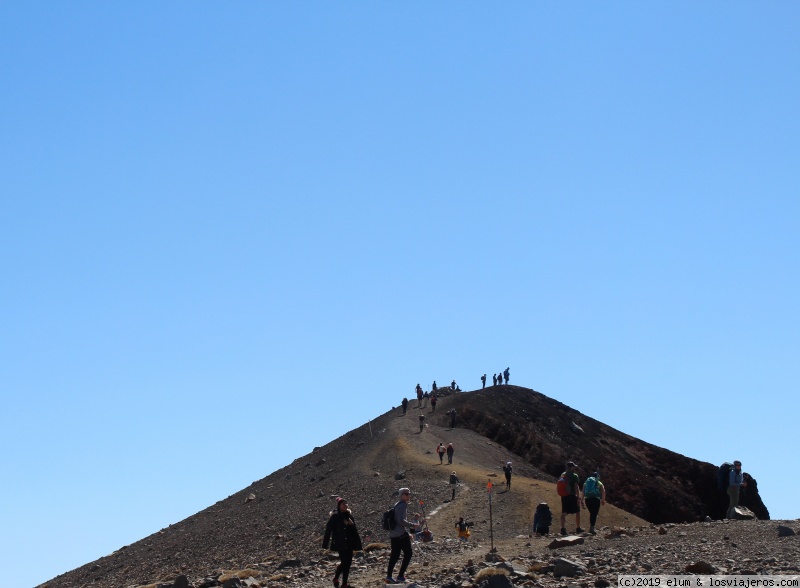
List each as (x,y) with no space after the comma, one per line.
(591,489)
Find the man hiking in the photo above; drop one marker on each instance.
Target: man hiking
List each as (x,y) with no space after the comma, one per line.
(405,406)
(450,452)
(571,502)
(483,381)
(507,469)
(440,450)
(400,539)
(453,483)
(735,482)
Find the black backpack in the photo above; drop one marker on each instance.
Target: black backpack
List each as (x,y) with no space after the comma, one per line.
(389,522)
(723,476)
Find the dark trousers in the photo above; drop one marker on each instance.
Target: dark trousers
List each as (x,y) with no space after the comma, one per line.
(593,506)
(343,569)
(400,544)
(508,482)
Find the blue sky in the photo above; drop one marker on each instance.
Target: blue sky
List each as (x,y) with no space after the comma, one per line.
(230,232)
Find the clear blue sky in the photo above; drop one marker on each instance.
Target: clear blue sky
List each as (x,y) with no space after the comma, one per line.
(233,231)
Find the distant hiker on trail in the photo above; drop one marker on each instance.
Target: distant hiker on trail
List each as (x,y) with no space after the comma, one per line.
(440,450)
(542,519)
(401,540)
(569,489)
(594,494)
(434,388)
(425,399)
(453,483)
(419,396)
(507,469)
(343,537)
(453,385)
(450,452)
(433,403)
(421,422)
(405,405)
(483,381)
(452,413)
(735,482)
(463,529)
(494,379)
(505,375)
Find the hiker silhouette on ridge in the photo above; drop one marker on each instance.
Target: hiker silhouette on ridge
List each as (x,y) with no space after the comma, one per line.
(405,405)
(505,375)
(483,381)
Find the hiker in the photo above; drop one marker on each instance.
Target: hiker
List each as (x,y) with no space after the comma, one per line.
(463,529)
(400,539)
(542,519)
(571,500)
(594,494)
(343,537)
(434,388)
(440,450)
(453,483)
(735,482)
(433,402)
(405,405)
(507,471)
(505,374)
(494,379)
(483,381)
(450,452)
(421,422)
(425,397)
(419,396)
(452,413)
(453,385)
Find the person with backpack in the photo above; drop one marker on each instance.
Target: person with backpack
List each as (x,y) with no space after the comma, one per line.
(507,469)
(569,489)
(542,519)
(342,536)
(433,402)
(483,381)
(440,450)
(450,452)
(452,413)
(400,539)
(419,395)
(594,494)
(735,483)
(405,405)
(463,529)
(421,422)
(506,374)
(494,379)
(453,483)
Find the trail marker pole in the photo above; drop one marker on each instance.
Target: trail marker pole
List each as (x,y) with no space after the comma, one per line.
(490,490)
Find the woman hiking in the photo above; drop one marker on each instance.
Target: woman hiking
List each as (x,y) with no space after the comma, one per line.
(343,537)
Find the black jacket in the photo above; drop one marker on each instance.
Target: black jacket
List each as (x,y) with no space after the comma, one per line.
(342,537)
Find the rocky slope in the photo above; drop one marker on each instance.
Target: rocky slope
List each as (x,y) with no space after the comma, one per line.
(274,526)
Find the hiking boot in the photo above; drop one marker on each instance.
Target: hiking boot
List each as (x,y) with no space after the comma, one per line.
(563,530)
(336,583)
(391,580)
(592,531)
(579,530)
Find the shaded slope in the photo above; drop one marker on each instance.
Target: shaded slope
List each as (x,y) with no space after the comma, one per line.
(652,482)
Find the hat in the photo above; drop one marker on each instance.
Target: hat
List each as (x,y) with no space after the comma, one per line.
(571,464)
(340,500)
(595,475)
(454,473)
(404,491)
(508,463)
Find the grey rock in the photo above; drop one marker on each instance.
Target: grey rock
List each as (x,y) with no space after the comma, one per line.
(400,476)
(566,541)
(566,567)
(290,563)
(181,582)
(701,567)
(743,513)
(497,581)
(784,531)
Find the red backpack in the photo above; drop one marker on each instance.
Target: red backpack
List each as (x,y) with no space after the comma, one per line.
(562,486)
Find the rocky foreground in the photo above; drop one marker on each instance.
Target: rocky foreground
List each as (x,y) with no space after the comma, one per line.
(719,547)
